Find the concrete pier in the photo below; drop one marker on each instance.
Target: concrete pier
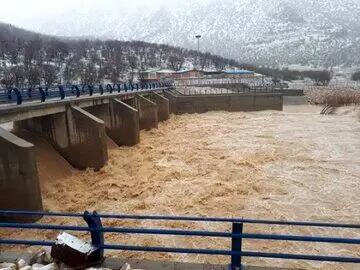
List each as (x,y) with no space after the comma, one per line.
(163,106)
(124,128)
(121,121)
(19,181)
(79,136)
(148,113)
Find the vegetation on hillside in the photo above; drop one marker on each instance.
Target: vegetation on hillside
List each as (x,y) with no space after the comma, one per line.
(319,77)
(28,59)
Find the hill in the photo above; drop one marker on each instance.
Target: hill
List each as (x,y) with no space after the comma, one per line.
(28,58)
(276,32)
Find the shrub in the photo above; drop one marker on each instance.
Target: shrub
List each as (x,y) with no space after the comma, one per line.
(333,96)
(356,76)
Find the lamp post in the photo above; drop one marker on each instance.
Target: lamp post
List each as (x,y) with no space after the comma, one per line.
(198,49)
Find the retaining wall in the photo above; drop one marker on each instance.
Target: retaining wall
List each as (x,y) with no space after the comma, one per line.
(224,102)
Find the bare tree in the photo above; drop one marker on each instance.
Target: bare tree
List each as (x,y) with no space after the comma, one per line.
(71,70)
(32,51)
(19,75)
(175,62)
(49,74)
(33,75)
(8,78)
(114,75)
(132,60)
(88,73)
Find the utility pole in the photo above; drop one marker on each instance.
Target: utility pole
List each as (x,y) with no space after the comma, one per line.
(198,50)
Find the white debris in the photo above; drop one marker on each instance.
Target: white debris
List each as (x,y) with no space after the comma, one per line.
(7,266)
(127,266)
(51,266)
(21,263)
(37,266)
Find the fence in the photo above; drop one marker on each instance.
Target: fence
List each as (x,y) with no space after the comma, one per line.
(18,96)
(236,236)
(203,82)
(220,91)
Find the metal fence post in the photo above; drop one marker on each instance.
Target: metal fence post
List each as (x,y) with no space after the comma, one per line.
(236,246)
(97,237)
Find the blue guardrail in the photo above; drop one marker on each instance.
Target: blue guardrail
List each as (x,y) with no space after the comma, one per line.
(42,93)
(236,235)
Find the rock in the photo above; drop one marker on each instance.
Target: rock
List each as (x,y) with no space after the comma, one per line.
(126,266)
(47,255)
(37,266)
(98,268)
(28,267)
(7,266)
(21,263)
(44,256)
(63,266)
(51,266)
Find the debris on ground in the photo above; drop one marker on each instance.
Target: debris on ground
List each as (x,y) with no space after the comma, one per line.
(22,265)
(75,252)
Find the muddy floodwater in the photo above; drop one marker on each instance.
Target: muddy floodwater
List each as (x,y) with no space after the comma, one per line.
(293,165)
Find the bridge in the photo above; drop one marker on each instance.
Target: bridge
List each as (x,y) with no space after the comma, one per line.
(77,119)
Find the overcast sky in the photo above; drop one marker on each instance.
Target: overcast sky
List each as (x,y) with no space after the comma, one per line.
(19,11)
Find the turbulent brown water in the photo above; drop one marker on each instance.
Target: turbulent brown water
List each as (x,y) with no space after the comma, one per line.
(294,165)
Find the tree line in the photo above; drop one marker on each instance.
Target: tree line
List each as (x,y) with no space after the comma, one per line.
(28,59)
(319,77)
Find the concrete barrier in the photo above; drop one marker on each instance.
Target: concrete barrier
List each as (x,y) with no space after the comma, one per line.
(79,136)
(224,102)
(19,181)
(148,113)
(163,106)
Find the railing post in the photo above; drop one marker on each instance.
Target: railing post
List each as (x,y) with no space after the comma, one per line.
(236,246)
(97,237)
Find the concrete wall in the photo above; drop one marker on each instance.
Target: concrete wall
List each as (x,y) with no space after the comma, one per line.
(224,102)
(292,92)
(79,136)
(19,182)
(163,106)
(148,113)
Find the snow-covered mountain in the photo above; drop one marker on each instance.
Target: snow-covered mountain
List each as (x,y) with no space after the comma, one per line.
(271,32)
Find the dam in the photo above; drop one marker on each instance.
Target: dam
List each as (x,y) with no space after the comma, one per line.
(78,128)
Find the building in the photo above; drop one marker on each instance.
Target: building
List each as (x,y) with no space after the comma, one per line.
(148,75)
(188,74)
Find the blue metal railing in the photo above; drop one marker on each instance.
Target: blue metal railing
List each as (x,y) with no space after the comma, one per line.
(41,93)
(236,235)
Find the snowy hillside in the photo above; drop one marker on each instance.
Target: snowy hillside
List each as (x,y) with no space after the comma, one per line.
(322,32)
